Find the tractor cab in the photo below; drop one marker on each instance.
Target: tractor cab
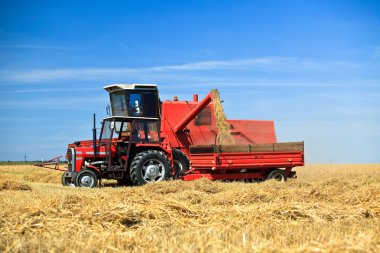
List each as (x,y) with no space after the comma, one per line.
(127,130)
(120,135)
(134,100)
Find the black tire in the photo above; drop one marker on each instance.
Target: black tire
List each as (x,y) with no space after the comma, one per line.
(87,179)
(278,175)
(149,166)
(66,181)
(181,163)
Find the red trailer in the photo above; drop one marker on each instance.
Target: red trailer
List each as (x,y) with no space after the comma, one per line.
(251,161)
(146,140)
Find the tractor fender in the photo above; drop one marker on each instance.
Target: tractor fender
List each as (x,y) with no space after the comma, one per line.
(92,167)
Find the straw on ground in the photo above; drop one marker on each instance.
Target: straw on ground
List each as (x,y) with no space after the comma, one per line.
(328,208)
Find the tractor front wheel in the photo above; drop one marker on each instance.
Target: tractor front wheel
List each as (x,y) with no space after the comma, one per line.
(87,179)
(278,175)
(149,166)
(66,181)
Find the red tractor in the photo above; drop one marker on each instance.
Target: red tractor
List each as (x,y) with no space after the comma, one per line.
(147,140)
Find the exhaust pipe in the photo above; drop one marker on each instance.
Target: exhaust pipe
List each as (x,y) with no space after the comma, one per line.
(94,137)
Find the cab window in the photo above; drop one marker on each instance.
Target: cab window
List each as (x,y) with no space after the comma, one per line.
(118,104)
(145,131)
(123,130)
(135,106)
(143,104)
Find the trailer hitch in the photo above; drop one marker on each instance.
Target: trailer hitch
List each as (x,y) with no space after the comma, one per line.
(52,164)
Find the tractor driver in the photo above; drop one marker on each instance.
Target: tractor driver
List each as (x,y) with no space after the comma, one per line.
(137,109)
(135,104)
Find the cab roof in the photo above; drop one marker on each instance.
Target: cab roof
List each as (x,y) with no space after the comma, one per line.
(118,87)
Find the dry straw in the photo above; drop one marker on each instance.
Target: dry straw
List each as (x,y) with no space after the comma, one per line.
(224,131)
(14,185)
(327,209)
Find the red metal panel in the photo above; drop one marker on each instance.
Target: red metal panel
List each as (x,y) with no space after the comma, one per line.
(226,176)
(193,113)
(247,160)
(172,113)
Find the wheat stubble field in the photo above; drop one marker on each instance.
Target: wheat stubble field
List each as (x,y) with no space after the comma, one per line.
(329,208)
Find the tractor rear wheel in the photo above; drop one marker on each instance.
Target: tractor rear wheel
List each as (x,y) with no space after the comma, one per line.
(66,181)
(181,163)
(149,166)
(86,178)
(278,175)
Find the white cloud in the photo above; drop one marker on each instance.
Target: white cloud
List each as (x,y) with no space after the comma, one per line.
(72,103)
(229,64)
(156,72)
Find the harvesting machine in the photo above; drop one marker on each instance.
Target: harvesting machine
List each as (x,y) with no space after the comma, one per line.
(146,140)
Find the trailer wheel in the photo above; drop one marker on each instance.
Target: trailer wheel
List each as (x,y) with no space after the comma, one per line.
(86,178)
(149,166)
(66,181)
(181,163)
(278,175)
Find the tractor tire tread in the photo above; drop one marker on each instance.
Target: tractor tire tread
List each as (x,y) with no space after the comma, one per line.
(64,180)
(183,159)
(138,159)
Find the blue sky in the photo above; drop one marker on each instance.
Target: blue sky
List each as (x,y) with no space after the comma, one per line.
(312,66)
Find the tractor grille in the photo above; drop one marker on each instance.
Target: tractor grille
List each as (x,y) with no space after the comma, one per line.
(69,159)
